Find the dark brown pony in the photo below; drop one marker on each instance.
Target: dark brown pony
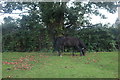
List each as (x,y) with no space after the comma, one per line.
(60,43)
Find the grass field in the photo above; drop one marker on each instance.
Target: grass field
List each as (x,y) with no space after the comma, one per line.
(49,65)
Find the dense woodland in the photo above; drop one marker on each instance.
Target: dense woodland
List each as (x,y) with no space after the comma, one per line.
(36,30)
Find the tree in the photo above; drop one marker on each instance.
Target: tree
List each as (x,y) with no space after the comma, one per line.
(45,21)
(117,33)
(9,26)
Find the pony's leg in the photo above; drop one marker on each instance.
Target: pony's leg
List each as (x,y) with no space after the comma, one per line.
(80,49)
(73,54)
(73,51)
(60,50)
(59,53)
(83,52)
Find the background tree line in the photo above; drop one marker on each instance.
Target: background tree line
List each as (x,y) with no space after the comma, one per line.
(45,21)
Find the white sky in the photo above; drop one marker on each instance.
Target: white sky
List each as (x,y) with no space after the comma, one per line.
(111,18)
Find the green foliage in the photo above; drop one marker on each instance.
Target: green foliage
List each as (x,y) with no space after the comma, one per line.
(118,36)
(26,41)
(45,21)
(98,38)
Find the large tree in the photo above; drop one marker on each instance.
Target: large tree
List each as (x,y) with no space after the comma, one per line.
(58,17)
(49,19)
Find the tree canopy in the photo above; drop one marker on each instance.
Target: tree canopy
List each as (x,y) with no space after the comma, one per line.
(46,20)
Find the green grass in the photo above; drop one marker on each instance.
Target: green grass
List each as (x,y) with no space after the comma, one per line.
(49,65)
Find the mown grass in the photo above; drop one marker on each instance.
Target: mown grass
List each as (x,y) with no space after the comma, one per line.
(49,65)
